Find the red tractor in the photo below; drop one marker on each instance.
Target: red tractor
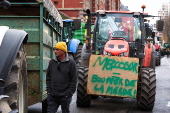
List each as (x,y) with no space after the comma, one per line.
(120,34)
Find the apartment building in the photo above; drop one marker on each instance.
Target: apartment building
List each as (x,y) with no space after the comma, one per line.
(164,12)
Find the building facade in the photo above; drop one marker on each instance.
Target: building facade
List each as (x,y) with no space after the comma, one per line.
(74,7)
(164,12)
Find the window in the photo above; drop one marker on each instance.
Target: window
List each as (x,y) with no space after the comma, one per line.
(163,7)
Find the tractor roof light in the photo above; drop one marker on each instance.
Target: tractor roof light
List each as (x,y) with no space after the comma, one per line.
(143,7)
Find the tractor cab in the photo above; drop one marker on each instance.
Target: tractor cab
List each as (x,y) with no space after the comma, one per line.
(67,33)
(119,33)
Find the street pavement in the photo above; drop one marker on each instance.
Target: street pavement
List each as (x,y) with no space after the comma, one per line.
(36,108)
(126,105)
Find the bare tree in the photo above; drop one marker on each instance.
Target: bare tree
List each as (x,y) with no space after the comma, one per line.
(166,31)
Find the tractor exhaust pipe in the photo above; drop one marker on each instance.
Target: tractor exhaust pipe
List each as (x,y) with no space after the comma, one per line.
(88,29)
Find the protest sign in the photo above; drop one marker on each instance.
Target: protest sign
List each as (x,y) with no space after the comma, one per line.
(113,76)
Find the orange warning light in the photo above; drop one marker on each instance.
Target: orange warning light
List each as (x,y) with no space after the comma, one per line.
(143,6)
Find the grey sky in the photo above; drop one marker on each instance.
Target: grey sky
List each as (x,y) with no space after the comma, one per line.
(152,6)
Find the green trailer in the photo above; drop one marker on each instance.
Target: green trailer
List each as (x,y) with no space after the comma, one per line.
(41,20)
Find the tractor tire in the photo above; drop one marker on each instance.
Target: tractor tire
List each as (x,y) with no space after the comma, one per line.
(83,99)
(44,106)
(4,106)
(146,89)
(158,59)
(77,56)
(153,60)
(71,56)
(16,86)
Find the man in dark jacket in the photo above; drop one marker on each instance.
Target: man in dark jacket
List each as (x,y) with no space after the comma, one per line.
(61,80)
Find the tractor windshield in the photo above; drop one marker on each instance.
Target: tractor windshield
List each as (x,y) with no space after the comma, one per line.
(67,31)
(117,25)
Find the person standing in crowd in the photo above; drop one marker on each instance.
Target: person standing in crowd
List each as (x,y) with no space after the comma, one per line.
(61,80)
(162,52)
(167,51)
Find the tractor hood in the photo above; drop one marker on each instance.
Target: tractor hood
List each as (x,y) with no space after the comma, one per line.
(116,46)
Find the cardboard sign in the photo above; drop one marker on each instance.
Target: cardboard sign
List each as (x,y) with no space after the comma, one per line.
(112,76)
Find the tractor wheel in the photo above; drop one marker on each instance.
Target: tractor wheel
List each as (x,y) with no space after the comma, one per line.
(158,59)
(153,60)
(71,56)
(146,89)
(44,106)
(16,86)
(77,57)
(83,99)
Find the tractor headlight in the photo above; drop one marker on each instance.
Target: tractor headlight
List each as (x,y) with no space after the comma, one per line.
(123,54)
(107,53)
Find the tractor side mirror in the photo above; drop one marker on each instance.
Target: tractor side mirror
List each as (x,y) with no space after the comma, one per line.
(159,25)
(77,24)
(148,32)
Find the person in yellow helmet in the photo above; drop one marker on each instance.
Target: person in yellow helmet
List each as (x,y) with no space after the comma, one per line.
(61,80)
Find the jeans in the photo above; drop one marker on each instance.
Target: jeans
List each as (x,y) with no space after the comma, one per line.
(54,102)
